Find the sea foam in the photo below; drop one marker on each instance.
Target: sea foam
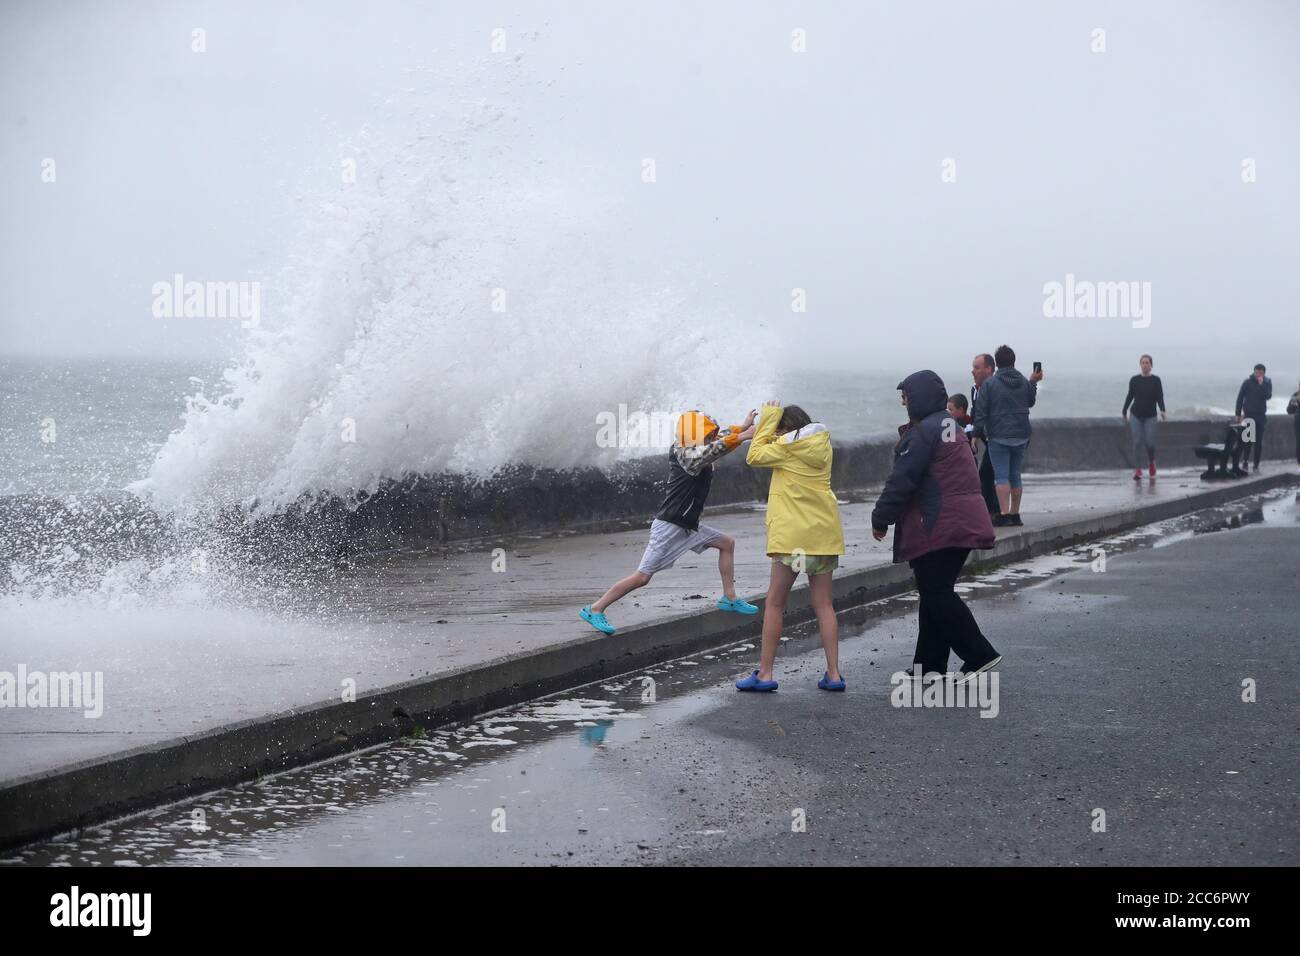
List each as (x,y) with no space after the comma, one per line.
(461,306)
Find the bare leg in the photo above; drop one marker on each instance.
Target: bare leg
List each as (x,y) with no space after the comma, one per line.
(1004,499)
(726,564)
(637,579)
(778,589)
(819,589)
(1015,500)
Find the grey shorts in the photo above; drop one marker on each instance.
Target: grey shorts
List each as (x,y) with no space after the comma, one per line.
(668,542)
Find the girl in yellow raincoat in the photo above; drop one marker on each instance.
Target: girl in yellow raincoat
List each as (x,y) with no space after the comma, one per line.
(803,532)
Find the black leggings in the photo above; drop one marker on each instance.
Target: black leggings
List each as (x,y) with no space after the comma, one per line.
(946,621)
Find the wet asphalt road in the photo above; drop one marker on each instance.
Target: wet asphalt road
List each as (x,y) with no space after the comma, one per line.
(1120,691)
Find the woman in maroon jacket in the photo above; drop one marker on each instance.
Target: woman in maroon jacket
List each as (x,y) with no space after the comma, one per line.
(933,499)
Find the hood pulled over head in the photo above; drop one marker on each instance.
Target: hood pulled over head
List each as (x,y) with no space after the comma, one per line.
(925,393)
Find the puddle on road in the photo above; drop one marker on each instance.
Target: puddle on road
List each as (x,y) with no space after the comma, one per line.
(441,791)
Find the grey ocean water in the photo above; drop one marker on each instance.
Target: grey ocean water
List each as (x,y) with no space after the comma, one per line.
(87,426)
(92,426)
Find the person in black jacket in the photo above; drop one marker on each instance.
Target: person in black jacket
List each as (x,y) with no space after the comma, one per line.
(981,370)
(932,500)
(1293,409)
(676,528)
(1146,395)
(1252,404)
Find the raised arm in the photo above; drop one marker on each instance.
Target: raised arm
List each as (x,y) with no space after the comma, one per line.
(765,451)
(695,458)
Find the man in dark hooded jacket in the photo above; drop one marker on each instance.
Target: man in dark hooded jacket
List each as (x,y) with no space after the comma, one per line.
(933,499)
(1002,417)
(1252,403)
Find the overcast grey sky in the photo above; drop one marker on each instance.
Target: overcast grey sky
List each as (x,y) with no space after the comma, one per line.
(775,169)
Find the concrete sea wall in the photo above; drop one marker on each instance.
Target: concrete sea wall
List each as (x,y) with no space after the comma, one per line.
(438,509)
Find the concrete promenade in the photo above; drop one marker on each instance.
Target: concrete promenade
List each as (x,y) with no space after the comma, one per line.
(438,638)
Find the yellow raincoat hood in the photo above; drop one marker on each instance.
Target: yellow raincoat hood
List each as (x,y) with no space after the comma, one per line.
(802,513)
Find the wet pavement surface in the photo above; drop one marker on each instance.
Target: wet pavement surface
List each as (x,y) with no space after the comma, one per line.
(1120,692)
(172,671)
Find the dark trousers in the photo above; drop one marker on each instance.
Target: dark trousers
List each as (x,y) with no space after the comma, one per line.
(946,621)
(1258,443)
(987,487)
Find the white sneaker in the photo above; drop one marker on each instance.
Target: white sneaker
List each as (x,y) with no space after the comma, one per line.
(971,675)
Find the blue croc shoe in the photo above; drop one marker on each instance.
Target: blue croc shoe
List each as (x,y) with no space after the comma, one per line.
(596,619)
(827,684)
(739,606)
(753,683)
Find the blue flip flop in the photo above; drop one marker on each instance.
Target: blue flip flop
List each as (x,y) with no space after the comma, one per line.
(739,606)
(827,684)
(753,683)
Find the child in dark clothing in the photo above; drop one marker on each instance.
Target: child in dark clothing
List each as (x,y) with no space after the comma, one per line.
(957,408)
(677,528)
